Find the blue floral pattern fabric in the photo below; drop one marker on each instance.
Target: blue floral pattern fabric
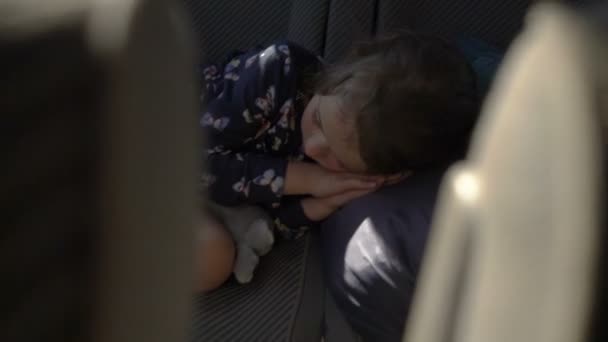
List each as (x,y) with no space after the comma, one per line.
(251,120)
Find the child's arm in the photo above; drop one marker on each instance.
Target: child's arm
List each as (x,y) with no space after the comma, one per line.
(256,86)
(311,179)
(296,215)
(262,179)
(318,209)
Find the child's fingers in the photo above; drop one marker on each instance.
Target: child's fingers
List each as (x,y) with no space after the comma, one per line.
(343,198)
(392,179)
(379,179)
(363,177)
(355,184)
(360,176)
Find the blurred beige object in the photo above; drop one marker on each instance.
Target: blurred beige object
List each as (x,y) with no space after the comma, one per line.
(149,191)
(99,181)
(515,243)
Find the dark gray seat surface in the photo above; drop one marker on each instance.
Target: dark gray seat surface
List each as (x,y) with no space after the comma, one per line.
(262,310)
(222,26)
(278,305)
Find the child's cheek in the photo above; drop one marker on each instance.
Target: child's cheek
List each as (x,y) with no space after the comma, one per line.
(314,146)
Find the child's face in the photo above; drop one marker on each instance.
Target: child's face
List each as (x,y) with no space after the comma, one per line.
(329,135)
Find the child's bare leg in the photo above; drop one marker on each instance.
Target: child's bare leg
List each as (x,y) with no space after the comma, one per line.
(215,255)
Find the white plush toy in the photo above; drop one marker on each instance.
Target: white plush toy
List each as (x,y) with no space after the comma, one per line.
(251,229)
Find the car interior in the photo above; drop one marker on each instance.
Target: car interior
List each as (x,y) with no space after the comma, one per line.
(100,102)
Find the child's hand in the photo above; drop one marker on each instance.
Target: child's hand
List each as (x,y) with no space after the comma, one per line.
(312,179)
(396,178)
(329,183)
(317,209)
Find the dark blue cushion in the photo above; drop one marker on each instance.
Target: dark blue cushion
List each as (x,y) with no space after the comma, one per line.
(372,250)
(484,58)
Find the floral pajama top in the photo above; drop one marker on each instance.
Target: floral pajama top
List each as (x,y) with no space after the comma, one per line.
(251,120)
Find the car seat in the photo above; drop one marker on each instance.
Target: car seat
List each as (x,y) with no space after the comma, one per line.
(286,300)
